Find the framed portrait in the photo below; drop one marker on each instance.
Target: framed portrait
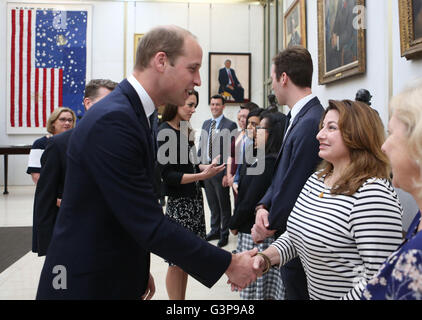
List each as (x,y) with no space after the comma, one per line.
(295,25)
(48,62)
(136,38)
(341,39)
(411,28)
(229,74)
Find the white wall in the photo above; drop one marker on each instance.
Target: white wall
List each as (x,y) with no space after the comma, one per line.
(241,31)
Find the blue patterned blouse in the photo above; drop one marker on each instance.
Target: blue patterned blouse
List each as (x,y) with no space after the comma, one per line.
(400,277)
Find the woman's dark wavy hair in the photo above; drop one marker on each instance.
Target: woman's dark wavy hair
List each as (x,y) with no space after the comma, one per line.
(275,133)
(170,110)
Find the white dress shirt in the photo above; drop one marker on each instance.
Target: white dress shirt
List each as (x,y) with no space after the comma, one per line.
(146,100)
(297,108)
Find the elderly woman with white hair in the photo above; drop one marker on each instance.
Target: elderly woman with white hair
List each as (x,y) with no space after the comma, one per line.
(400,278)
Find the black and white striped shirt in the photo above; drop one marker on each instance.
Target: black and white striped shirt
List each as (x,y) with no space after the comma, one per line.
(341,240)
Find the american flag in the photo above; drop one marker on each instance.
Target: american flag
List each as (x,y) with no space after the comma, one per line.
(48,64)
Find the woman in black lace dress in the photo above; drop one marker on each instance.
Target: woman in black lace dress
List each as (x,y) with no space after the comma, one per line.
(182,179)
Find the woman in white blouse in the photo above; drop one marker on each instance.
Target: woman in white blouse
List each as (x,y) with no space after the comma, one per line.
(347,219)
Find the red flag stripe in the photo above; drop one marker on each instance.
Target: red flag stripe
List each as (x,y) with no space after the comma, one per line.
(28,77)
(60,87)
(44,98)
(20,66)
(12,68)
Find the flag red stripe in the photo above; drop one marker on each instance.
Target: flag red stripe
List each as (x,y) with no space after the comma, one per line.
(12,71)
(37,84)
(20,66)
(44,98)
(60,87)
(52,90)
(28,78)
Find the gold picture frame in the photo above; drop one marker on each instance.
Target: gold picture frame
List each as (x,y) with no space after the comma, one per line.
(410,16)
(341,39)
(136,38)
(295,25)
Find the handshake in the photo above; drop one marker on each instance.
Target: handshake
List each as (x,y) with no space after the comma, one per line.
(246,267)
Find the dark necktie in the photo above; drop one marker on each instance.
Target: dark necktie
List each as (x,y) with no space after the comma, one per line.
(213,123)
(154,128)
(289,117)
(231,79)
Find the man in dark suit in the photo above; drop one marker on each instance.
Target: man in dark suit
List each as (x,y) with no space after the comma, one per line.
(49,191)
(291,75)
(216,141)
(229,82)
(110,220)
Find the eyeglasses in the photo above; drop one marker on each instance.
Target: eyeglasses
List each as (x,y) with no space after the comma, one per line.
(260,127)
(63,120)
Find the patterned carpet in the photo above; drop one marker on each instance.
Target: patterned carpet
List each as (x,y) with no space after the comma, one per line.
(15,242)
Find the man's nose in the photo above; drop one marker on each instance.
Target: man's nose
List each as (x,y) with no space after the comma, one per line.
(197,79)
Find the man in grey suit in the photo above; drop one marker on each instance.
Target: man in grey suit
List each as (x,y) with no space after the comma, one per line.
(216,141)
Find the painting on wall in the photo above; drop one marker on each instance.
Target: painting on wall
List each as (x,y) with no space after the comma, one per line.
(295,25)
(230,76)
(341,39)
(48,62)
(411,28)
(136,38)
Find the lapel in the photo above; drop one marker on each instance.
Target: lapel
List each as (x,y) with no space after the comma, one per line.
(220,126)
(137,106)
(296,120)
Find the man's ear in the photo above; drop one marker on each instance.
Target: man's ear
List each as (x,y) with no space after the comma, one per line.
(87,103)
(160,61)
(284,79)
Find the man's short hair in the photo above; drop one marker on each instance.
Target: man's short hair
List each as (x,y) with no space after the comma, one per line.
(249,106)
(219,96)
(167,39)
(296,62)
(91,89)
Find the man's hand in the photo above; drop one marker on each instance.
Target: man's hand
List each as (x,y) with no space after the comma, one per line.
(240,271)
(235,187)
(225,182)
(260,230)
(150,291)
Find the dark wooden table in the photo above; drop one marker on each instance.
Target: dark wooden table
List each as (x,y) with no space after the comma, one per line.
(5,151)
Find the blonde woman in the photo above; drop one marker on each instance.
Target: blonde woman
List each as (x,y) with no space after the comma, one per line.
(60,120)
(400,278)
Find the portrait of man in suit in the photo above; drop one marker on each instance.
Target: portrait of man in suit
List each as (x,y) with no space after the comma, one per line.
(229,82)
(341,37)
(293,36)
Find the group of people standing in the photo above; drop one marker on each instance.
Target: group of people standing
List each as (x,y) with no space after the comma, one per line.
(323,209)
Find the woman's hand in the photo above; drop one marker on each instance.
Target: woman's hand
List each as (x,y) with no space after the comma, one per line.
(212,170)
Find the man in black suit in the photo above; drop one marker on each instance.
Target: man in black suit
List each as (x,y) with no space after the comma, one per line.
(291,75)
(49,191)
(229,82)
(216,141)
(110,219)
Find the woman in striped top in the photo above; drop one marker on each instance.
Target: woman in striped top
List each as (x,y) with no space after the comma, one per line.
(347,219)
